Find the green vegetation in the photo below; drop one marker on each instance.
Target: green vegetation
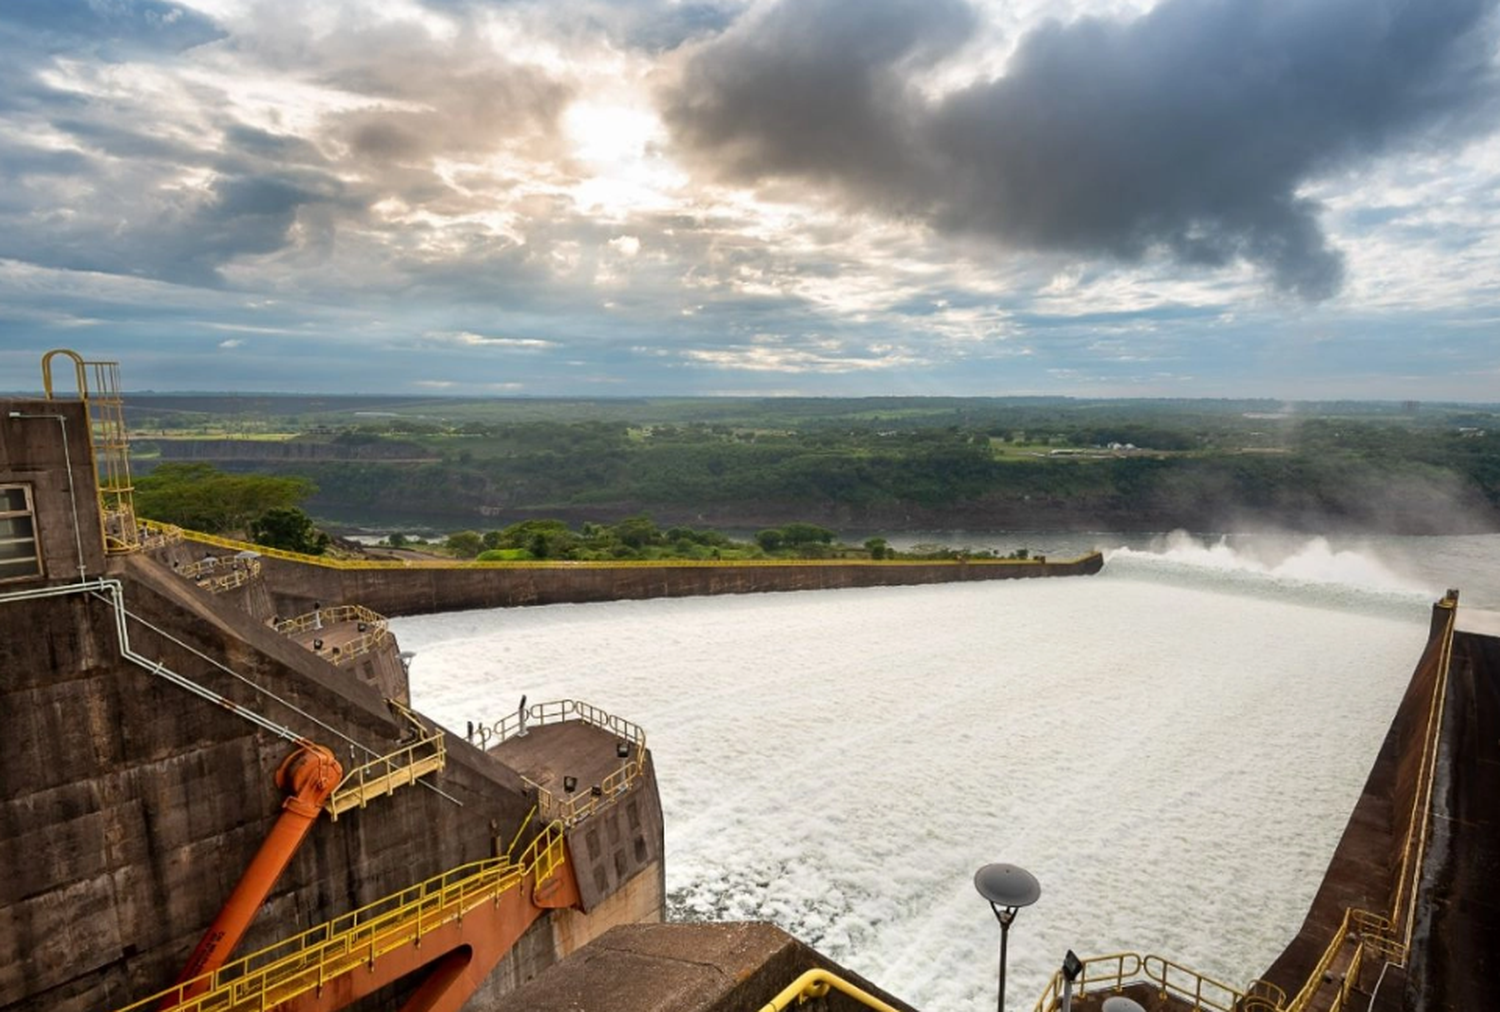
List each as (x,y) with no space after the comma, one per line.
(891,463)
(639,537)
(202,498)
(288,528)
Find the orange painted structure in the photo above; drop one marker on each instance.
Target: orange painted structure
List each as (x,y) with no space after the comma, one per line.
(310,775)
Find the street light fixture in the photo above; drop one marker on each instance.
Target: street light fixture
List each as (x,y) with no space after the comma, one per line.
(1008,889)
(1071,968)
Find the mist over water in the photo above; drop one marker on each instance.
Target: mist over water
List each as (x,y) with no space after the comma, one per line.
(1172,747)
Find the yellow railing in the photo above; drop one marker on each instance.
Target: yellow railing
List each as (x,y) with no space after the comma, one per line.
(817,983)
(1389,938)
(280,972)
(381,776)
(571,808)
(1116,971)
(1361,935)
(372,635)
(155,535)
(1204,992)
(335,563)
(217,575)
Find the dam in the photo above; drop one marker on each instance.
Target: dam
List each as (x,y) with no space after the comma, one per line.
(164,713)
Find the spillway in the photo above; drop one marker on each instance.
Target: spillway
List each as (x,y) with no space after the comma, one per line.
(1171,748)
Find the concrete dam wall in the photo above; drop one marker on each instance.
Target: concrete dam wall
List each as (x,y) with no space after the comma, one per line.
(393,590)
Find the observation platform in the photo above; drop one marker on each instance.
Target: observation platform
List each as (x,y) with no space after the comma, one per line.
(338,634)
(547,754)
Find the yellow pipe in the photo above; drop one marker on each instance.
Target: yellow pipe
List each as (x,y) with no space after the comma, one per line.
(815,984)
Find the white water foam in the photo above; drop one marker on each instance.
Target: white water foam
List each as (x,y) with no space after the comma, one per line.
(1174,762)
(1297,561)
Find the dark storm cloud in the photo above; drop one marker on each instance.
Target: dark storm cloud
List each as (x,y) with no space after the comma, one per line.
(1190,129)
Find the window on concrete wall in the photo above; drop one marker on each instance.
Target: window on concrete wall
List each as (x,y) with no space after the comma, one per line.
(20,554)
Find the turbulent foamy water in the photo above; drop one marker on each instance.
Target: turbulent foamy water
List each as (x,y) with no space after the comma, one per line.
(1172,748)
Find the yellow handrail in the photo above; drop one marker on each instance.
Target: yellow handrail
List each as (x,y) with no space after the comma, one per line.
(311,959)
(1365,930)
(381,776)
(573,808)
(373,635)
(217,575)
(816,984)
(1122,968)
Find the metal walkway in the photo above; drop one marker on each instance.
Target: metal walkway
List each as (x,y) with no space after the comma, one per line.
(475,911)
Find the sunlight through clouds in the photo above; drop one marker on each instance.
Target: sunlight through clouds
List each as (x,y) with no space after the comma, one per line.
(990,193)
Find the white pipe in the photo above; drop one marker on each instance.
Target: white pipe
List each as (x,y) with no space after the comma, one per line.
(116,592)
(116,600)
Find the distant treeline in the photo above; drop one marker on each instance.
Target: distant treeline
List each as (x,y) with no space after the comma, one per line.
(1047,466)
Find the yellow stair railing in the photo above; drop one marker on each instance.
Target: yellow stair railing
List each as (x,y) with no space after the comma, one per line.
(278,973)
(382,776)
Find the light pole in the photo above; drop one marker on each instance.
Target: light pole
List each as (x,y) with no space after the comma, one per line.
(1008,889)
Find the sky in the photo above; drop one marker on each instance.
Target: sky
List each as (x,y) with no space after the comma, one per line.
(1187,198)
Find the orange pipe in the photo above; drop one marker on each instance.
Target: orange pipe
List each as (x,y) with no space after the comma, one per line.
(309,775)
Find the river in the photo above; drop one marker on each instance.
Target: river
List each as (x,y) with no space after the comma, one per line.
(1172,747)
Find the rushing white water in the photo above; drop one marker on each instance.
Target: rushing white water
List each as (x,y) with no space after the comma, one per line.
(1172,748)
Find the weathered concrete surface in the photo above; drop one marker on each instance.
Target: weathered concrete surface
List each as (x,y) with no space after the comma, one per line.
(1456,956)
(683,968)
(626,837)
(418,591)
(129,807)
(32,453)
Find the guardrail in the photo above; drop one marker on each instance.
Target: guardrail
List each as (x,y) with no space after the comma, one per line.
(1361,935)
(381,776)
(155,535)
(336,563)
(371,627)
(572,808)
(1121,969)
(268,977)
(1362,932)
(816,984)
(219,574)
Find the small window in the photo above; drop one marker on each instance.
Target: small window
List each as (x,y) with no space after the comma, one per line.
(20,555)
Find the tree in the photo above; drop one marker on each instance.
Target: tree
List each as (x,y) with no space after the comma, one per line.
(464,544)
(877,547)
(290,529)
(769,539)
(806,534)
(200,497)
(637,532)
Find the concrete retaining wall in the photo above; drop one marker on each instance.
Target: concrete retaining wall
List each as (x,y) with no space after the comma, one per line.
(1364,869)
(397,592)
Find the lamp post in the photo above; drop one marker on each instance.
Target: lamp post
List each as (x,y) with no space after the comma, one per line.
(1071,968)
(1008,889)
